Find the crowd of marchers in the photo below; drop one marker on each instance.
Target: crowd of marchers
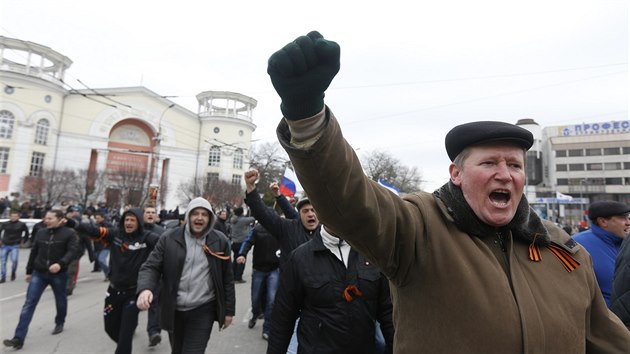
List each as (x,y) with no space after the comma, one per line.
(353,267)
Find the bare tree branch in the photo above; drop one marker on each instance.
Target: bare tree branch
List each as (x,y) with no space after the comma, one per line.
(382,165)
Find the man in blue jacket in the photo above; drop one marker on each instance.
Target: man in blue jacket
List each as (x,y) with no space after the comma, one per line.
(609,228)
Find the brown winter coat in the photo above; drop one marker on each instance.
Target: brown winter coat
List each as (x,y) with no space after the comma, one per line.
(452,292)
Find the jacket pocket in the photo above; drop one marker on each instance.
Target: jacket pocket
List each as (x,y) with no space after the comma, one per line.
(319,291)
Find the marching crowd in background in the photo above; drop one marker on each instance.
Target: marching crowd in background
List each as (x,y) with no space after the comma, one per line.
(151,266)
(352,268)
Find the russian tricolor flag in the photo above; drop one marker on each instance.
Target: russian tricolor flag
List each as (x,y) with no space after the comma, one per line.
(289,184)
(389,186)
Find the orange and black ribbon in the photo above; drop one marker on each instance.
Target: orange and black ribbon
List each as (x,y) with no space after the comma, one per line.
(123,247)
(351,289)
(565,257)
(219,255)
(534,251)
(568,262)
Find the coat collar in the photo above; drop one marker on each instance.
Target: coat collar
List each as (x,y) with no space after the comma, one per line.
(526,225)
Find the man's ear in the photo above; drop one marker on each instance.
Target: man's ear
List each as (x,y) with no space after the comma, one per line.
(455,173)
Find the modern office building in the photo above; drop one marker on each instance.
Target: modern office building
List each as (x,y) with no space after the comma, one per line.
(131,136)
(581,163)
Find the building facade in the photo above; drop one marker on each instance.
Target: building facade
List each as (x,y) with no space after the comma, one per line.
(579,164)
(127,141)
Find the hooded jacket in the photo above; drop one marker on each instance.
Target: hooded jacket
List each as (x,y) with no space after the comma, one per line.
(128,251)
(457,286)
(167,262)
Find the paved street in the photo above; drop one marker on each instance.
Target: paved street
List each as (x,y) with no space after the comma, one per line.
(84,331)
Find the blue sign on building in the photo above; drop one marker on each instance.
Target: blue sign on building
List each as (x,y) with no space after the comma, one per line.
(612,127)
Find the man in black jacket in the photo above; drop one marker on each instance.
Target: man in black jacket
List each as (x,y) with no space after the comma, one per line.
(13,232)
(290,232)
(153,321)
(53,249)
(193,263)
(130,246)
(265,274)
(222,224)
(337,294)
(620,299)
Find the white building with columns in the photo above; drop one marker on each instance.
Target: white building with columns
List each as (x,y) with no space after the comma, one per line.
(46,126)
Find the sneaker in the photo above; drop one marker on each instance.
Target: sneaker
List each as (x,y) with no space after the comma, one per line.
(2,280)
(12,276)
(154,339)
(58,329)
(251,323)
(15,343)
(265,336)
(261,316)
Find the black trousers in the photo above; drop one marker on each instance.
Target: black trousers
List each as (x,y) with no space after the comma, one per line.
(153,321)
(237,268)
(191,329)
(121,318)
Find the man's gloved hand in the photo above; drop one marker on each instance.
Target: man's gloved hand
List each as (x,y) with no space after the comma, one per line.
(301,72)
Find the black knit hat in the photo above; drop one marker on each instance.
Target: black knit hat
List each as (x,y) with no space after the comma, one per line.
(301,203)
(606,209)
(465,135)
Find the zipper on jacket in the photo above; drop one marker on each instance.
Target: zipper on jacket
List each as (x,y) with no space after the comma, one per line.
(50,241)
(500,242)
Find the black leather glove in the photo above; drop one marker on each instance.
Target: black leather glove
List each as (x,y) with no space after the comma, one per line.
(301,72)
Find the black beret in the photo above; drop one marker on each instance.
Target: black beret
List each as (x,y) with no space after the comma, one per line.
(465,135)
(606,209)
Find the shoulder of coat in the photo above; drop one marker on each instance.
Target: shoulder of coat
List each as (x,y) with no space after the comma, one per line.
(561,238)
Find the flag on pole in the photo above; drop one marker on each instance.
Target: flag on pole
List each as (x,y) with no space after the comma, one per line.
(389,186)
(289,184)
(561,196)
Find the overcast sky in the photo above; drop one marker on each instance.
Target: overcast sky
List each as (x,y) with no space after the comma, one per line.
(410,70)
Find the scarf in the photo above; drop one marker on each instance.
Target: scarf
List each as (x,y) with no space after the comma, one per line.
(526,225)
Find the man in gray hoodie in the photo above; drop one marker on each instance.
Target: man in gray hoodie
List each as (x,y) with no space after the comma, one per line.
(182,258)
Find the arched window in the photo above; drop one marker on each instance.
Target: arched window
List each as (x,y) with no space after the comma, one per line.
(41,132)
(214,159)
(238,159)
(7,120)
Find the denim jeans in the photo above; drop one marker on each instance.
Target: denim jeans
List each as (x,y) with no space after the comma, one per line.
(39,282)
(13,252)
(101,258)
(293,344)
(379,339)
(270,279)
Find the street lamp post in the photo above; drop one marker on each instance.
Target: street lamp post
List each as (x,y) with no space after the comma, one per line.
(583,182)
(154,187)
